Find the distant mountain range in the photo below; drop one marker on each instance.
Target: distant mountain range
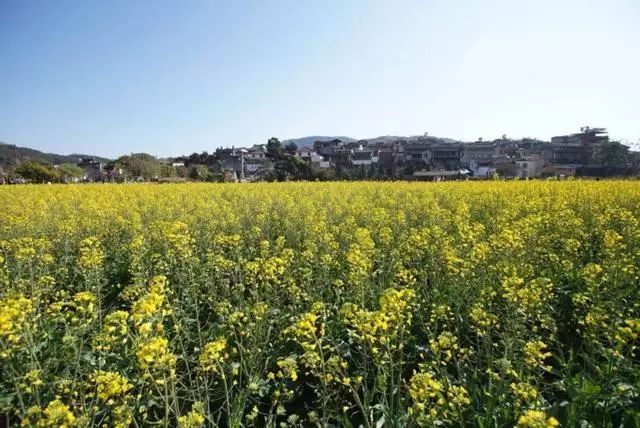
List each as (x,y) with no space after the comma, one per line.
(11,154)
(308,141)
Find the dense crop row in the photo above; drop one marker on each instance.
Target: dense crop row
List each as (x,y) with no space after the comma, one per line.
(382,304)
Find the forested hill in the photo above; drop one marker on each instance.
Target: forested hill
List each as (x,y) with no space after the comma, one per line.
(308,141)
(11,154)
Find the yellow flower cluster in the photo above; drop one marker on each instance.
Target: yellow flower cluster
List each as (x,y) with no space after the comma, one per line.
(535,355)
(14,320)
(32,250)
(91,253)
(55,415)
(266,271)
(85,303)
(288,369)
(213,355)
(308,331)
(379,328)
(524,392)
(537,419)
(427,394)
(483,321)
(111,386)
(31,381)
(397,304)
(149,309)
(445,347)
(441,315)
(154,354)
(194,419)
(307,328)
(115,329)
(371,327)
(629,332)
(529,298)
(432,401)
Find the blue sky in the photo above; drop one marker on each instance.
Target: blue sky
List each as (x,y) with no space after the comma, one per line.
(174,77)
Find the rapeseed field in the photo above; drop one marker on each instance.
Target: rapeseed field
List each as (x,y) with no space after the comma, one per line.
(485,304)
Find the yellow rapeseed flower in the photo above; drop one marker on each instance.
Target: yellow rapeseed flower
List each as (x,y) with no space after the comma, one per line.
(213,354)
(110,386)
(537,419)
(194,419)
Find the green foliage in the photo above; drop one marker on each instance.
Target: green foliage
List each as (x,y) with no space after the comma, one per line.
(290,148)
(274,148)
(11,154)
(38,172)
(70,170)
(182,171)
(612,153)
(140,165)
(199,172)
(167,171)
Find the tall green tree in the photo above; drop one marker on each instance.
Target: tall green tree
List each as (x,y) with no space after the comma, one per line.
(35,171)
(140,165)
(290,148)
(167,170)
(70,171)
(274,148)
(612,153)
(199,172)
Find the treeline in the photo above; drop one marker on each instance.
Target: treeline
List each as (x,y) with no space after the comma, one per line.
(38,171)
(278,162)
(281,164)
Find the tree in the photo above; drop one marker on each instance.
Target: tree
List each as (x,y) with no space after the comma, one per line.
(326,174)
(182,171)
(36,171)
(612,153)
(506,169)
(69,171)
(199,172)
(298,169)
(291,148)
(140,165)
(203,158)
(167,170)
(274,148)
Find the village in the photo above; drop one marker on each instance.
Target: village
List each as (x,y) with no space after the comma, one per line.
(588,153)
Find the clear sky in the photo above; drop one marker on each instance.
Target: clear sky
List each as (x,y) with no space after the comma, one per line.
(174,77)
